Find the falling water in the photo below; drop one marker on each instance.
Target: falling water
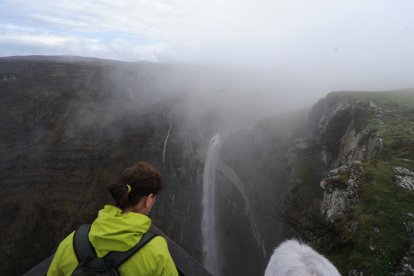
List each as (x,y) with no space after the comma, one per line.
(208,223)
(165,143)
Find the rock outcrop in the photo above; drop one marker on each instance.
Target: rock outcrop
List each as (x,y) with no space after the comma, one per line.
(404,178)
(341,189)
(364,146)
(345,141)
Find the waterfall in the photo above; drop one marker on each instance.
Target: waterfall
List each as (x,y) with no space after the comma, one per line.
(165,143)
(208,222)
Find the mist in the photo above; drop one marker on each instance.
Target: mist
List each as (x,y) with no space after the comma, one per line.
(92,86)
(276,55)
(234,97)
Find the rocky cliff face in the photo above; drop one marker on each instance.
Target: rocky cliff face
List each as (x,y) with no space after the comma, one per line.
(251,184)
(363,146)
(346,142)
(336,171)
(70,126)
(67,129)
(343,172)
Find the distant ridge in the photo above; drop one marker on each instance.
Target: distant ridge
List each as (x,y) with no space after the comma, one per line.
(61,58)
(374,91)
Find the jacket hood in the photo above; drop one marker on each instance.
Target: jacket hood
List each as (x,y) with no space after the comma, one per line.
(117,231)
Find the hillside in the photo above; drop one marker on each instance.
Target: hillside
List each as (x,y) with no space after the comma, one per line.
(68,128)
(362,218)
(339,176)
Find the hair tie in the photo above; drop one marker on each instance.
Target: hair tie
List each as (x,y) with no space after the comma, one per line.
(129,188)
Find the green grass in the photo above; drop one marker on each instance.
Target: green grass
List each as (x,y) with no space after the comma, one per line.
(383,205)
(396,128)
(399,99)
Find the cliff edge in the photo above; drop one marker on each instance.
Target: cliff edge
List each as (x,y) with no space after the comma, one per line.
(352,182)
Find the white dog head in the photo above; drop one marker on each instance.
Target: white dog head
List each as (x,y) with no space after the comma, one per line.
(294,259)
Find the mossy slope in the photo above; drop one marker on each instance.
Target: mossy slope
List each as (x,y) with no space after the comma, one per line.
(370,237)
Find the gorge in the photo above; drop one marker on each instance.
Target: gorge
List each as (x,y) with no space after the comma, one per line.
(325,174)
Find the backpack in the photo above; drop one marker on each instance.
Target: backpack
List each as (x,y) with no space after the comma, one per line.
(90,264)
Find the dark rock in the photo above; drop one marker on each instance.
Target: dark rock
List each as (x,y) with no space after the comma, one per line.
(69,128)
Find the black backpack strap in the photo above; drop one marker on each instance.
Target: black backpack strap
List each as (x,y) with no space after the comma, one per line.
(116,258)
(81,245)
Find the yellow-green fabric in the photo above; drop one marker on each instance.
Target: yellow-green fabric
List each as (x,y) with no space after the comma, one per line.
(117,231)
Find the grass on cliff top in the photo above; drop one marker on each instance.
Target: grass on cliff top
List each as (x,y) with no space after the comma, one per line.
(372,236)
(397,133)
(379,239)
(396,127)
(393,119)
(400,99)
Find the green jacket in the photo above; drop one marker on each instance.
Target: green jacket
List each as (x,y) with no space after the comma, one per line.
(117,231)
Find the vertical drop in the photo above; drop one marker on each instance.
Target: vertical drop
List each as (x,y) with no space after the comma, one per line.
(208,222)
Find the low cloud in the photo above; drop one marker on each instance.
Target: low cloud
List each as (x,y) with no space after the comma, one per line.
(308,47)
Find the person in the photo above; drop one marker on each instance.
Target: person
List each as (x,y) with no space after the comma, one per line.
(292,258)
(120,227)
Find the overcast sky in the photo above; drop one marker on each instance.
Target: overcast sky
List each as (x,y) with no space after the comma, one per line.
(331,44)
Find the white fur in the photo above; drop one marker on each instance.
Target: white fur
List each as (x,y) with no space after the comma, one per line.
(294,259)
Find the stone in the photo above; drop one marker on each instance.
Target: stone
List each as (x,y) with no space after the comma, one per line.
(403,171)
(406,182)
(362,145)
(340,193)
(404,178)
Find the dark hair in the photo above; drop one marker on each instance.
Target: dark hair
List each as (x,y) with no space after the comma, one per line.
(143,180)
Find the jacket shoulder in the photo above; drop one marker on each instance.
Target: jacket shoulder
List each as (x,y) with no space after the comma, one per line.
(153,259)
(64,261)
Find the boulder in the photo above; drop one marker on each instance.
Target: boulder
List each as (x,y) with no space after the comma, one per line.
(404,178)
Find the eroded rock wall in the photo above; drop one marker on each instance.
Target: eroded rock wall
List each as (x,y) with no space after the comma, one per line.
(69,128)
